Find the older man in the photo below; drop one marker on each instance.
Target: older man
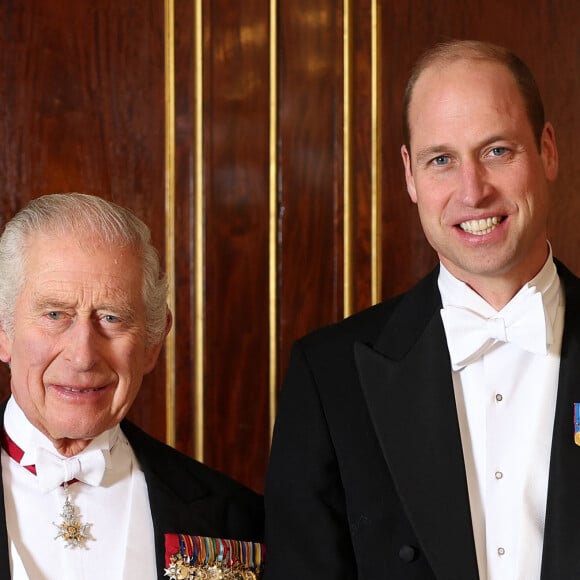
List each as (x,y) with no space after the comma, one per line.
(433,436)
(86,494)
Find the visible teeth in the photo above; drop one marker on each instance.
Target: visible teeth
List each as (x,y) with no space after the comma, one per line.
(70,389)
(480,227)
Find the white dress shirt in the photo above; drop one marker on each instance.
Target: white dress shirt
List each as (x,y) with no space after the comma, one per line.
(505,404)
(121,539)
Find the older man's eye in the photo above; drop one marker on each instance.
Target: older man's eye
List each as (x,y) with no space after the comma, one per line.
(111,319)
(55,315)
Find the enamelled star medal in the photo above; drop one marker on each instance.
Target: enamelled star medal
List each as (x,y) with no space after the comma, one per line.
(71,530)
(74,533)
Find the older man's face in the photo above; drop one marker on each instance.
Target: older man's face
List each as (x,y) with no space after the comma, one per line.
(78,354)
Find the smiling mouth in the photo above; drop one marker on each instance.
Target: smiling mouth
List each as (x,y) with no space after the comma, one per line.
(75,390)
(482,226)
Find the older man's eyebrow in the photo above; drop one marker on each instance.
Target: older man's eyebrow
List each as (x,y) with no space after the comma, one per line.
(45,303)
(124,311)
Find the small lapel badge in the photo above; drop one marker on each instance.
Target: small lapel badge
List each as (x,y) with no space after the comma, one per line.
(577,423)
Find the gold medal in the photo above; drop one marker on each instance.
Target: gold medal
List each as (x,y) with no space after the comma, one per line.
(204,558)
(71,530)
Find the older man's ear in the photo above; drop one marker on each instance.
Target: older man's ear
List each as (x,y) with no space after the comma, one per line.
(5,346)
(152,352)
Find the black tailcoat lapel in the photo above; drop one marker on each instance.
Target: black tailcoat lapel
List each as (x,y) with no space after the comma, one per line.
(561,555)
(187,497)
(406,377)
(173,506)
(4,547)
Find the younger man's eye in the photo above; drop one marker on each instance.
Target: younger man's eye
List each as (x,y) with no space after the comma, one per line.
(441,160)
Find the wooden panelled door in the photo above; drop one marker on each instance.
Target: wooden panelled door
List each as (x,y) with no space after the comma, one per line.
(260,141)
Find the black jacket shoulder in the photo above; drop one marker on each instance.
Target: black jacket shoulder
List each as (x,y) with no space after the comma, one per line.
(189,479)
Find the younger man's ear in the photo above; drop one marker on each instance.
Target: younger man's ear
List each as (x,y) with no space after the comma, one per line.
(5,346)
(406,156)
(549,152)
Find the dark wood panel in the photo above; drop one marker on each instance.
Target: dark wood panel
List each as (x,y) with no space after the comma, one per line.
(361,152)
(545,38)
(82,110)
(310,167)
(185,287)
(236,138)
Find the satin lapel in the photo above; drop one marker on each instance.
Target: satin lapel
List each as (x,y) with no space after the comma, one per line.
(407,382)
(167,511)
(561,555)
(175,507)
(4,547)
(162,518)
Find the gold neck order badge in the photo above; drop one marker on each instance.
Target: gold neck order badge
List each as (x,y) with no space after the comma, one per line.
(74,533)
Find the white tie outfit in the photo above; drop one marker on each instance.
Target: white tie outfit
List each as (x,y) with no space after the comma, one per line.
(522,322)
(505,380)
(111,497)
(53,470)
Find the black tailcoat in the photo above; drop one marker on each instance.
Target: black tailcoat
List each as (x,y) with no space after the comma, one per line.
(367,478)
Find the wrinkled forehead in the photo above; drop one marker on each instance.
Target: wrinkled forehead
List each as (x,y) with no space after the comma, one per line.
(78,236)
(66,270)
(73,250)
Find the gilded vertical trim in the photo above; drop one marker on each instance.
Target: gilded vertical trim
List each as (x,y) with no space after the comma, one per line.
(376,213)
(199,238)
(347,161)
(273,217)
(170,429)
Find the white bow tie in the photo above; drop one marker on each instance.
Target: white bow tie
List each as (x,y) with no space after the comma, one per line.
(53,471)
(470,335)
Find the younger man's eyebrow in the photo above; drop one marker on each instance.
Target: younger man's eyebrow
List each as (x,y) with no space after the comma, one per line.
(428,153)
